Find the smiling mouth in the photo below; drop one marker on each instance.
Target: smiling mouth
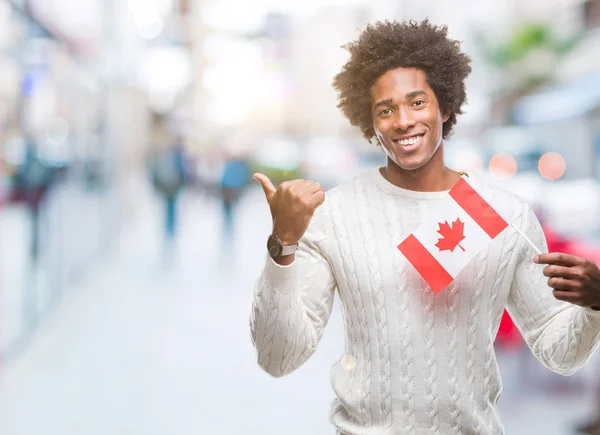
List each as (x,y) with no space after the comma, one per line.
(415,140)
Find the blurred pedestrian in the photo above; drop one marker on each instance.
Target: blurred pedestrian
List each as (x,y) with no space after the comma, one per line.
(168,177)
(32,181)
(416,361)
(234,179)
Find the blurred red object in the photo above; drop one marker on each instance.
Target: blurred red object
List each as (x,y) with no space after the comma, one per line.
(508,335)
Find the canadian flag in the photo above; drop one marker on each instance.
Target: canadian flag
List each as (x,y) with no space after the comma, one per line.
(442,245)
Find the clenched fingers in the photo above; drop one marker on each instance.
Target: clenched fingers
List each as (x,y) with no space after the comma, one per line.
(318,198)
(559,283)
(308,185)
(562,271)
(567,296)
(315,187)
(558,258)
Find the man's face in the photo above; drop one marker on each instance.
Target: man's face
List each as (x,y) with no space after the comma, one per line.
(406,117)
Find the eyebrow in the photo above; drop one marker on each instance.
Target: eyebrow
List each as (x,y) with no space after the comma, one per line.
(410,95)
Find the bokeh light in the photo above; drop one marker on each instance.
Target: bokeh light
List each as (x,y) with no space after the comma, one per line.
(552,166)
(503,165)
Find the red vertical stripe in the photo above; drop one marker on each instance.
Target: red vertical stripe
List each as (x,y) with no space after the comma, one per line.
(430,269)
(478,208)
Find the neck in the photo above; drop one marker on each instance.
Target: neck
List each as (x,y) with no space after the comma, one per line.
(433,177)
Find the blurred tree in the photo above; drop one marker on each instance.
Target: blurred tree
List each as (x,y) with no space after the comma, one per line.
(526,40)
(527,59)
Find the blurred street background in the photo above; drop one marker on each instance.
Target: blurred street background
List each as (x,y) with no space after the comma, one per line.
(131,233)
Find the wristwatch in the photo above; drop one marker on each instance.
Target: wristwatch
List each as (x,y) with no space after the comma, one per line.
(276,248)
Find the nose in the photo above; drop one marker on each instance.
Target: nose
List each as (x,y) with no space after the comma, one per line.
(404,119)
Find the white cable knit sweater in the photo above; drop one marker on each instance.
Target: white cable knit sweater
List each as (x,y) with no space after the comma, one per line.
(415,362)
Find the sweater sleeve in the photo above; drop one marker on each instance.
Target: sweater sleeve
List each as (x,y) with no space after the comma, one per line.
(562,336)
(292,303)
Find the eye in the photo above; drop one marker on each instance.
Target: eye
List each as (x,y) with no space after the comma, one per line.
(385,112)
(418,103)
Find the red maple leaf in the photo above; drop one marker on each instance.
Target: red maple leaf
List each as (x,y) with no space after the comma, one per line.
(452,236)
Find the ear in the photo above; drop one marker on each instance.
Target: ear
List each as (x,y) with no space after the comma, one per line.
(446,116)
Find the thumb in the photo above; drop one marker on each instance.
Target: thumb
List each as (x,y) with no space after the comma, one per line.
(266,185)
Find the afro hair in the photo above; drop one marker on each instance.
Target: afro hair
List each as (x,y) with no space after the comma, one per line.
(386,45)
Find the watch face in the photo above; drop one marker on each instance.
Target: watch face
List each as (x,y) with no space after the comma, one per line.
(274,246)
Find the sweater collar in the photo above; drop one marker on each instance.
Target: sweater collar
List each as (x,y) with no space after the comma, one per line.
(375,175)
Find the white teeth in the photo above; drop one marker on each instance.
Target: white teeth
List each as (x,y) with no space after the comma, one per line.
(410,141)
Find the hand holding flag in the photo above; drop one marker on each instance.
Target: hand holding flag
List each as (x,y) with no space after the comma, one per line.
(574,279)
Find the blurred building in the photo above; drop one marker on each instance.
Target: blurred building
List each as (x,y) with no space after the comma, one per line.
(80,83)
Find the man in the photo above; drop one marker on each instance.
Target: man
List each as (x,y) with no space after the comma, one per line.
(416,362)
(234,179)
(168,177)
